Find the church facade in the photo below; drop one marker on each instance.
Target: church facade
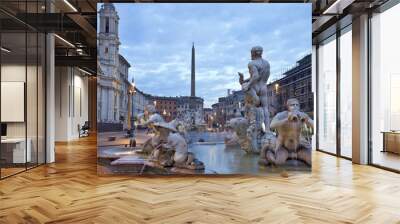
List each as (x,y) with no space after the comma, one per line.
(113,70)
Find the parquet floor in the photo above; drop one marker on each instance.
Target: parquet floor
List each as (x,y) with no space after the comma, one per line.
(70,191)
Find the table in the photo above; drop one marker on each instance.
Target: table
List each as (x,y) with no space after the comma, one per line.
(17,150)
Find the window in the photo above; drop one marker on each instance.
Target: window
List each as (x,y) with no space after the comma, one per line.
(22,65)
(107,25)
(327,95)
(346,93)
(385,88)
(106,50)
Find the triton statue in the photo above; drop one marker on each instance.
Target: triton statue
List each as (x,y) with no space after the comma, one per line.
(290,142)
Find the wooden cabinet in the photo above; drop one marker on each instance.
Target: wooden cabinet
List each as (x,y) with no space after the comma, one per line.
(391,142)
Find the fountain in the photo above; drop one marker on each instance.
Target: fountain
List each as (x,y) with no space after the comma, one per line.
(250,145)
(254,129)
(164,152)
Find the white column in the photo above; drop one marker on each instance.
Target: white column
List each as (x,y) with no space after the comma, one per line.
(98,108)
(314,90)
(360,90)
(102,98)
(117,104)
(50,99)
(110,104)
(105,103)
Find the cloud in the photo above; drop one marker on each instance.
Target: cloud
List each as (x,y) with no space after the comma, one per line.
(157,39)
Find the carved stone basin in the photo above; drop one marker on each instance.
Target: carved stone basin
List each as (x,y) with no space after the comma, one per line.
(118,152)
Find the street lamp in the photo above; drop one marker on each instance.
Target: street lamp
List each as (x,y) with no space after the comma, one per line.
(131,92)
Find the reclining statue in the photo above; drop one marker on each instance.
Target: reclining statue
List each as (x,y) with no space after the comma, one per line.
(152,118)
(290,143)
(174,152)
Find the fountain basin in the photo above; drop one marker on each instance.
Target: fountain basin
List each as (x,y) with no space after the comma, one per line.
(118,152)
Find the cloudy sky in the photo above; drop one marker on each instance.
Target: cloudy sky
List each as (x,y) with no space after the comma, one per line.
(157,38)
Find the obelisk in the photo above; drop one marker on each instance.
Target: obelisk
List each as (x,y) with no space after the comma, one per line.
(193,77)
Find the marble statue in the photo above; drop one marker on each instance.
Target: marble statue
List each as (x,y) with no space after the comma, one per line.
(153,117)
(174,151)
(240,126)
(159,154)
(181,127)
(256,129)
(255,87)
(230,137)
(251,128)
(290,143)
(182,158)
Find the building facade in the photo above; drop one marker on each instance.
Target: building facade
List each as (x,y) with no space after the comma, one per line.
(165,106)
(139,102)
(113,70)
(123,70)
(296,83)
(228,107)
(179,107)
(188,105)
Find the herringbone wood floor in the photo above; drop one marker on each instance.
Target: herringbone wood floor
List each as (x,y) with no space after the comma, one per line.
(70,191)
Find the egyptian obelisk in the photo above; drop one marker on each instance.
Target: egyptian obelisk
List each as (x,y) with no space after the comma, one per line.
(193,77)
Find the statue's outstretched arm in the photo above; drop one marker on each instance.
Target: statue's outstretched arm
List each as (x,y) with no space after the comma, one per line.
(241,78)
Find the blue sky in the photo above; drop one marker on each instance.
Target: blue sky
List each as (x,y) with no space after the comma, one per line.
(156,39)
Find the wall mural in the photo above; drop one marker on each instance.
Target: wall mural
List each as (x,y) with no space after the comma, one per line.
(248,72)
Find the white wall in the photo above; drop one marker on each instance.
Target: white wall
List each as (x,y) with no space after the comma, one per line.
(61,103)
(10,73)
(81,114)
(71,103)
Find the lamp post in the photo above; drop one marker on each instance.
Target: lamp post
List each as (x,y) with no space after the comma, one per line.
(131,92)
